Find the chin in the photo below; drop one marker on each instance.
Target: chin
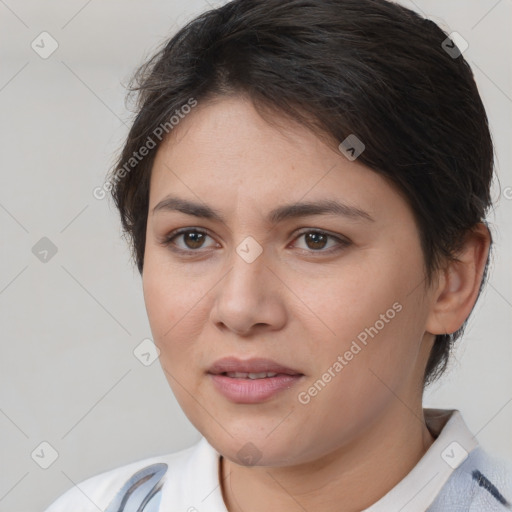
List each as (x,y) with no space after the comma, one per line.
(255,450)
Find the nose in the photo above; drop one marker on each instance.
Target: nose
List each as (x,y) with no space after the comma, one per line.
(249,298)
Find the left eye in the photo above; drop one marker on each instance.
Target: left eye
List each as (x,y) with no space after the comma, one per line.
(194,239)
(317,240)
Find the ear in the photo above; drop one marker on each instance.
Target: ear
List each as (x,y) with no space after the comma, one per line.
(459,283)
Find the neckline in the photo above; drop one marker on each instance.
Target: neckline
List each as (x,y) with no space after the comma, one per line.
(420,487)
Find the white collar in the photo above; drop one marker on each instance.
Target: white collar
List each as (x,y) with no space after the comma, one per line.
(418,490)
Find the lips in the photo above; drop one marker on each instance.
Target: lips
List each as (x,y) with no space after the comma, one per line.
(252,381)
(239,368)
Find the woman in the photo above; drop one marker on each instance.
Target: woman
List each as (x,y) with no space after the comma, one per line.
(308,218)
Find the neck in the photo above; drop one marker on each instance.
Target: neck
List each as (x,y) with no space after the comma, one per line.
(382,456)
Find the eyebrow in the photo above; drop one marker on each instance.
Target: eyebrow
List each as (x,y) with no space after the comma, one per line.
(288,211)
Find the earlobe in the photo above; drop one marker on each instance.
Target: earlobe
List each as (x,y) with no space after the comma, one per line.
(459,284)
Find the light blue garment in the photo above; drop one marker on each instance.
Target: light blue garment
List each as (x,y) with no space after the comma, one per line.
(141,492)
(482,483)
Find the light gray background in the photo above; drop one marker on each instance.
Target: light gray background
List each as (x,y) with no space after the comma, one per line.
(69,326)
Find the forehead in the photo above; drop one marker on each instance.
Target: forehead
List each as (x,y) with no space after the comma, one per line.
(225,151)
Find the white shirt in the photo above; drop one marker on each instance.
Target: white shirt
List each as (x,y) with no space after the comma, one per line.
(191,481)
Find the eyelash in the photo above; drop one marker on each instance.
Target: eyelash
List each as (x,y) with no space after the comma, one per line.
(167,242)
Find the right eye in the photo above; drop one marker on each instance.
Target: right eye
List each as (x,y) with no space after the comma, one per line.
(192,238)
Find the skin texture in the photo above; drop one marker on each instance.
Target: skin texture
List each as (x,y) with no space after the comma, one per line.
(299,305)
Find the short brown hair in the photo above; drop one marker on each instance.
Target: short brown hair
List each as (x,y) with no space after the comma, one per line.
(366,67)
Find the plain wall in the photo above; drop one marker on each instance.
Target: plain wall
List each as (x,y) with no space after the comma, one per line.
(70,325)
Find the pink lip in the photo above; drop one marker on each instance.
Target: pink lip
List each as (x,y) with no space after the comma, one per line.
(250,391)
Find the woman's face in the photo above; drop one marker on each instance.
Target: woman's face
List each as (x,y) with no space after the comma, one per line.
(337,298)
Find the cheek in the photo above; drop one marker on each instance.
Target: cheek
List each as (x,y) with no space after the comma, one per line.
(177,307)
(161,301)
(167,300)
(373,317)
(353,300)
(173,320)
(167,290)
